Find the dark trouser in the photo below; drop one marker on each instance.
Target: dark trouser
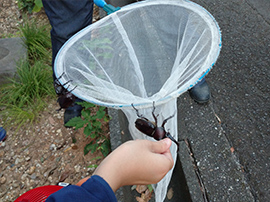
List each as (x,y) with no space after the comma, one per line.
(66,17)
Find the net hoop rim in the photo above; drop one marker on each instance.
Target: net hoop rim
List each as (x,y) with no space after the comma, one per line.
(185,3)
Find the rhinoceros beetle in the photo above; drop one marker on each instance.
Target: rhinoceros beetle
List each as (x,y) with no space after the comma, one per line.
(65,97)
(151,129)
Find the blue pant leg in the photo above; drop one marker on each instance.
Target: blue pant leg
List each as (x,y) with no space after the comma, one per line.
(66,17)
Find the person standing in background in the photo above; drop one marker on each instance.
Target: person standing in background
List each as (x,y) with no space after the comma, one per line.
(67,17)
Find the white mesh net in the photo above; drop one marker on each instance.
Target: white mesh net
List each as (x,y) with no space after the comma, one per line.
(147,51)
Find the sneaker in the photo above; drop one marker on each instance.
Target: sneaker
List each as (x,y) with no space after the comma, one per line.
(73,111)
(3,134)
(200,93)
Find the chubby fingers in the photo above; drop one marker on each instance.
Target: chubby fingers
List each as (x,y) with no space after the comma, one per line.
(158,151)
(162,149)
(137,162)
(161,146)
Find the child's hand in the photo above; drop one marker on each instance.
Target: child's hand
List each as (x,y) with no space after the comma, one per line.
(137,162)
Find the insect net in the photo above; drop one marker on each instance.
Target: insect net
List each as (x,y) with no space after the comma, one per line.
(147,51)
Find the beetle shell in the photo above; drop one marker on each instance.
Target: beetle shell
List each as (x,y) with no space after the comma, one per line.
(66,100)
(159,133)
(65,97)
(145,126)
(150,129)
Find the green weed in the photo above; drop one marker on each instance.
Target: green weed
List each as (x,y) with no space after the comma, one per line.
(30,5)
(91,118)
(94,165)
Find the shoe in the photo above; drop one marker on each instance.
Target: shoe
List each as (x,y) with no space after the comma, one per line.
(72,111)
(200,93)
(3,134)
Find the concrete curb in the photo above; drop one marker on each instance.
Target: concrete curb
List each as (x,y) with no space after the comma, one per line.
(217,169)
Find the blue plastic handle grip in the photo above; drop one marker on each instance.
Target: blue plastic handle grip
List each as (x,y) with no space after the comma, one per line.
(108,8)
(100,3)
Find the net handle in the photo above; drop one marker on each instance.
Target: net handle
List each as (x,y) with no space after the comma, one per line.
(108,8)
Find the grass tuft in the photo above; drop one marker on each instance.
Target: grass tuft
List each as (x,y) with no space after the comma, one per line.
(29,84)
(25,96)
(36,39)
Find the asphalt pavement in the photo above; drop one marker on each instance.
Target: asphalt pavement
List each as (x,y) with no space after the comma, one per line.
(230,136)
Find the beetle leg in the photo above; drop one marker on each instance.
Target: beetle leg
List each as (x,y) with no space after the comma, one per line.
(165,121)
(60,76)
(57,79)
(154,108)
(168,135)
(153,113)
(72,89)
(67,82)
(137,111)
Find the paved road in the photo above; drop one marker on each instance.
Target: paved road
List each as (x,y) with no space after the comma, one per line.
(230,136)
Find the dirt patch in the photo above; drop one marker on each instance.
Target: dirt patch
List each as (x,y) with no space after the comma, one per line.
(11,17)
(43,154)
